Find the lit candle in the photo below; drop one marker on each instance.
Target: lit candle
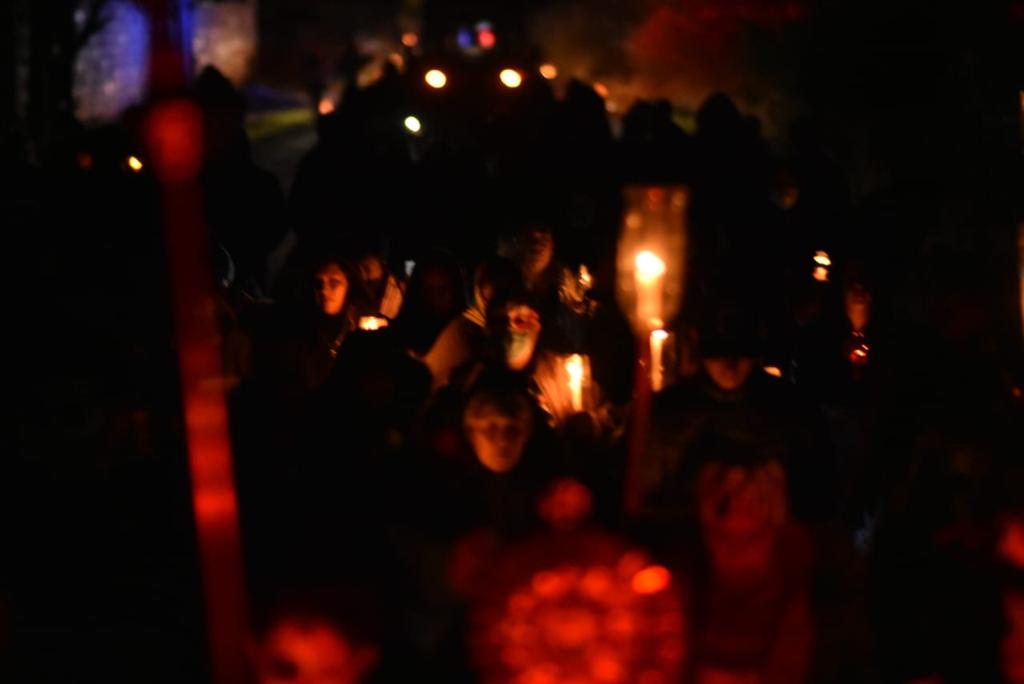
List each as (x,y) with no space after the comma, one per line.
(574,369)
(650,275)
(658,338)
(373,323)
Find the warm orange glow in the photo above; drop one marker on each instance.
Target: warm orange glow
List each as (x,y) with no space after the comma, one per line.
(821,274)
(651,580)
(326,106)
(549,71)
(511,78)
(822,258)
(601,89)
(649,267)
(773,371)
(436,78)
(84,160)
(586,280)
(574,369)
(658,338)
(134,163)
(373,323)
(410,39)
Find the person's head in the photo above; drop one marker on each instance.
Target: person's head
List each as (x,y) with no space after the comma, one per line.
(435,289)
(498,423)
(306,644)
(742,503)
(729,346)
(536,248)
(495,279)
(517,325)
(331,285)
(371,256)
(729,373)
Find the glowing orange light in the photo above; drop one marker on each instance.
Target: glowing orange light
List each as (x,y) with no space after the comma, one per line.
(649,267)
(822,258)
(326,106)
(821,274)
(574,369)
(773,371)
(651,580)
(436,79)
(84,160)
(601,89)
(410,39)
(372,323)
(586,280)
(549,71)
(134,163)
(511,78)
(487,39)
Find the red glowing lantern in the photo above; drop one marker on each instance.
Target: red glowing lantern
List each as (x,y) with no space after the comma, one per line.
(582,608)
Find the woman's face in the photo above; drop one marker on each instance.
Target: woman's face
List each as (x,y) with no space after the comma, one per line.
(331,289)
(729,373)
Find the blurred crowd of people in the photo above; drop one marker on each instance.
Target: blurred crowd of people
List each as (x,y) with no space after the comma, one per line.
(827,489)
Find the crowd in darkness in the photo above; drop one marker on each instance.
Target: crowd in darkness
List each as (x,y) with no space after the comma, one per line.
(828,489)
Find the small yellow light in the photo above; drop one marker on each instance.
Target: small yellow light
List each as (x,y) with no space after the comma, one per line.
(511,78)
(549,71)
(822,258)
(586,280)
(410,39)
(372,323)
(413,125)
(436,78)
(773,371)
(326,106)
(134,163)
(649,267)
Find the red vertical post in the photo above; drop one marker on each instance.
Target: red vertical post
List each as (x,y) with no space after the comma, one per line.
(639,423)
(174,136)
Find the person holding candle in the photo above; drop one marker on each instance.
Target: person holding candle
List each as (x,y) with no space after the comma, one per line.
(732,390)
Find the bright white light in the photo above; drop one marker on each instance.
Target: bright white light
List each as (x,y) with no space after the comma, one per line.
(413,125)
(511,78)
(436,78)
(822,258)
(134,163)
(649,266)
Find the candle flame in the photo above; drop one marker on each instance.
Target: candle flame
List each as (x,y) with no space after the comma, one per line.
(659,335)
(773,371)
(586,280)
(649,267)
(373,323)
(134,163)
(574,367)
(821,274)
(822,258)
(549,71)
